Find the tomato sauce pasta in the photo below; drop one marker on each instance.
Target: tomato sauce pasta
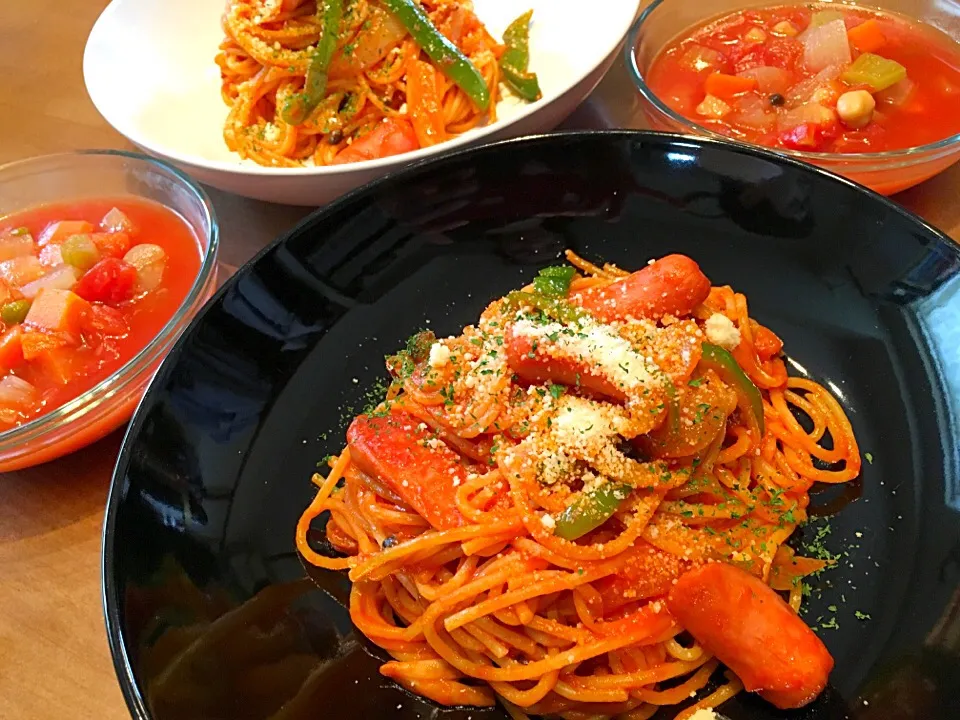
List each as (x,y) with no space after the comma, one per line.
(347,80)
(579,506)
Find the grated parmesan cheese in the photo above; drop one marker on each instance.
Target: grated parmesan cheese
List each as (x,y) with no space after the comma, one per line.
(721,331)
(598,346)
(439,355)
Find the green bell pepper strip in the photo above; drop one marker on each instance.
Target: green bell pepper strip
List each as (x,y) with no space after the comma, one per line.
(749,399)
(554,281)
(590,510)
(561,310)
(298,107)
(516,58)
(445,55)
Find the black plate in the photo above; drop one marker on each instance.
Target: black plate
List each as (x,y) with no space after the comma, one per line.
(214,472)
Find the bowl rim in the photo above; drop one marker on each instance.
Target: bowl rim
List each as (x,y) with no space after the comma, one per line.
(905,156)
(392,162)
(129,372)
(133,693)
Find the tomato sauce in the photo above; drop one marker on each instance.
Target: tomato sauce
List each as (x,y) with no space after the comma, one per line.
(777,85)
(97,310)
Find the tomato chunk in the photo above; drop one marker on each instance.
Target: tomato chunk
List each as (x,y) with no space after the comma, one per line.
(111,244)
(648,573)
(401,452)
(390,137)
(750,629)
(766,342)
(673,285)
(110,281)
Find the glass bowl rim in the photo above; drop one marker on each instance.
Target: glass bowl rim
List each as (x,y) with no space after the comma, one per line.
(881,159)
(131,370)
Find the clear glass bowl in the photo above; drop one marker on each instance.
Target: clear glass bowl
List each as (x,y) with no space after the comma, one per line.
(886,172)
(94,173)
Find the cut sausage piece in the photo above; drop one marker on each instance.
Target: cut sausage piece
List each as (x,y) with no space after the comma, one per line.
(673,285)
(526,358)
(751,630)
(400,451)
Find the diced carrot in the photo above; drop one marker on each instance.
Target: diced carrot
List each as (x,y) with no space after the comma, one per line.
(21,270)
(867,37)
(59,231)
(57,363)
(11,349)
(726,86)
(36,343)
(59,311)
(111,244)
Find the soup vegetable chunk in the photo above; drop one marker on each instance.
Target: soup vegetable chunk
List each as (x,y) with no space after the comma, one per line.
(820,78)
(84,286)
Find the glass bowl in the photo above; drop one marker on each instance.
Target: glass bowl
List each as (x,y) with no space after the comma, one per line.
(886,172)
(106,173)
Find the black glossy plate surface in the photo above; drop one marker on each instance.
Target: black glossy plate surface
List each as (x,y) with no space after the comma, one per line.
(210,612)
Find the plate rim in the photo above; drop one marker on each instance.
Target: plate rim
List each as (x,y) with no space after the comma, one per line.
(108,591)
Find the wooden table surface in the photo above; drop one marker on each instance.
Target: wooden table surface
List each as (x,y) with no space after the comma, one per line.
(54,661)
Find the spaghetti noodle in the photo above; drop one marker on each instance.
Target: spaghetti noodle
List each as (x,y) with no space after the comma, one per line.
(522,514)
(378,76)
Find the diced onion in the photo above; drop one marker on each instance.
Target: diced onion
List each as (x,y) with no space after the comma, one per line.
(753,112)
(769,79)
(150,261)
(16,391)
(699,58)
(117,221)
(897,94)
(63,278)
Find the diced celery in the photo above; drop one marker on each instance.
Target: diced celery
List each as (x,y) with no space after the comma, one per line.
(877,72)
(80,252)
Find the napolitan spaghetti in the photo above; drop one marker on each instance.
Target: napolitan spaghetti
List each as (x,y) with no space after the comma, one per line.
(336,81)
(578,506)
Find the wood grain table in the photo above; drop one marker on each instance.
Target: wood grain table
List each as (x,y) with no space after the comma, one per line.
(54,661)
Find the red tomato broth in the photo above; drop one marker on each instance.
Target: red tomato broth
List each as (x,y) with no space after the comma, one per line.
(99,356)
(930,113)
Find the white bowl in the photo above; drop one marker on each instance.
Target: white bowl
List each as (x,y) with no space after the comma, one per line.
(149,69)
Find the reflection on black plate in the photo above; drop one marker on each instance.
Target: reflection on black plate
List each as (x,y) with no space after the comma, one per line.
(211,614)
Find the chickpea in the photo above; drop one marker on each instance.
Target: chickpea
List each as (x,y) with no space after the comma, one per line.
(755,35)
(855,108)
